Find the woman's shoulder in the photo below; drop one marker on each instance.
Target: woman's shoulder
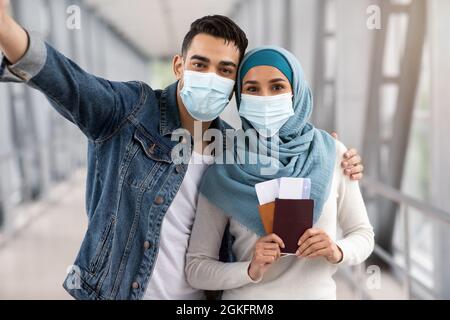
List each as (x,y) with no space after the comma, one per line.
(341,149)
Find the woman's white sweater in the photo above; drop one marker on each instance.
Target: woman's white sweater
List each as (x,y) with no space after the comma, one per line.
(290,277)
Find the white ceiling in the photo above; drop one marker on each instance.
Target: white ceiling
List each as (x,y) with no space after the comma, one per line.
(158,26)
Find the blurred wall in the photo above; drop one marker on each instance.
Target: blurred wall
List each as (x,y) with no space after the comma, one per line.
(37,146)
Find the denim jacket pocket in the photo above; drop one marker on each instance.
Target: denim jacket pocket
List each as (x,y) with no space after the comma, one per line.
(153,149)
(104,247)
(148,155)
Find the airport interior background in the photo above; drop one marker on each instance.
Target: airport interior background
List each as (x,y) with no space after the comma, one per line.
(380,73)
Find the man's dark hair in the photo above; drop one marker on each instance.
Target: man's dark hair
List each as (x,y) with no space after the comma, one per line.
(217,26)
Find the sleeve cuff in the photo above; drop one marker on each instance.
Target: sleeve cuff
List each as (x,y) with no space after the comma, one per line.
(245,276)
(29,65)
(343,246)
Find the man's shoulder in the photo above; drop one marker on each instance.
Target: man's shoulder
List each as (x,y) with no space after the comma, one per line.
(140,99)
(131,92)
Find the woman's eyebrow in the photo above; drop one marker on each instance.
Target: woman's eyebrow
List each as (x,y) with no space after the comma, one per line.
(250,82)
(277,80)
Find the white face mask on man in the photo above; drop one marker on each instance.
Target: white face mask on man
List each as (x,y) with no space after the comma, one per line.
(267,114)
(205,95)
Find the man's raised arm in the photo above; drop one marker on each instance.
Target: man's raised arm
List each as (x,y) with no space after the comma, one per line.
(13,39)
(97,106)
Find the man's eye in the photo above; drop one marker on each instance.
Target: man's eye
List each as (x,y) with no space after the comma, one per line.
(199,65)
(226,71)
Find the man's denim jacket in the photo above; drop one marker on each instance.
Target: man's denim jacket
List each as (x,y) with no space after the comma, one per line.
(131,178)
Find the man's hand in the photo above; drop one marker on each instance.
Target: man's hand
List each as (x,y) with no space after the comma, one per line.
(352,163)
(316,243)
(267,251)
(13,39)
(3,5)
(3,8)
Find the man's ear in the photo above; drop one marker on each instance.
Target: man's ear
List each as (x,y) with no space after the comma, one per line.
(177,65)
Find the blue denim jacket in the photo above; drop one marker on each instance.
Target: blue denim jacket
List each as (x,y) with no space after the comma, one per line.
(131,179)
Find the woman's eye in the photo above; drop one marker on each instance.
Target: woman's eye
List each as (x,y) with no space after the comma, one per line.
(278,88)
(251,89)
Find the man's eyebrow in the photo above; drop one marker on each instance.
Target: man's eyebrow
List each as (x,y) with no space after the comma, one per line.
(277,80)
(201,58)
(228,64)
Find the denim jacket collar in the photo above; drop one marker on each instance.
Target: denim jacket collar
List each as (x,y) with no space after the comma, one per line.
(169,119)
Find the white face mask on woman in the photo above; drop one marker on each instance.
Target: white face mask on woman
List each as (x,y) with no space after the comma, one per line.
(205,95)
(267,114)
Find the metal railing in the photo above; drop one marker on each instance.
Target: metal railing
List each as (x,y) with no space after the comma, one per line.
(405,203)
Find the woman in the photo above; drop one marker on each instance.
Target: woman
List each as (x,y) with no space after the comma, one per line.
(274,99)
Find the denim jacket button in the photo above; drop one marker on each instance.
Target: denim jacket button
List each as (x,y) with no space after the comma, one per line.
(151,149)
(147,245)
(179,168)
(135,285)
(159,200)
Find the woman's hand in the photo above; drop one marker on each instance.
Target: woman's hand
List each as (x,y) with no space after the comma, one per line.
(316,243)
(267,251)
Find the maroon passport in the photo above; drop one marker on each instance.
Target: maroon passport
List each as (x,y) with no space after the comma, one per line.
(292,219)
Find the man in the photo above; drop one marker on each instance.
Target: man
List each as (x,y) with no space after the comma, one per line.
(133,184)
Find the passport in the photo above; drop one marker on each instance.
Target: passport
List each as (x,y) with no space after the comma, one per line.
(291,219)
(267,212)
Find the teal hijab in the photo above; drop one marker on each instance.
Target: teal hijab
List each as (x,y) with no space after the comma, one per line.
(301,150)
